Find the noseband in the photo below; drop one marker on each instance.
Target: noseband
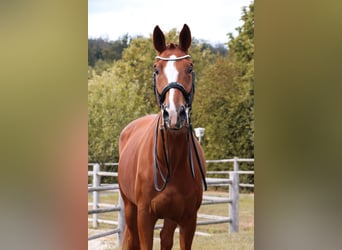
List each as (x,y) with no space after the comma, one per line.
(174,85)
(189,137)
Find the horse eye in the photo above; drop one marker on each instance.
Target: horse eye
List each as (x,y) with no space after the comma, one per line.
(156,71)
(190,69)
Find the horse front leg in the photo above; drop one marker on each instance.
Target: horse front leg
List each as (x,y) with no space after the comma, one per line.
(130,236)
(166,234)
(186,232)
(146,223)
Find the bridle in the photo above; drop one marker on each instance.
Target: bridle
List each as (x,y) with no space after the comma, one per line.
(161,96)
(189,136)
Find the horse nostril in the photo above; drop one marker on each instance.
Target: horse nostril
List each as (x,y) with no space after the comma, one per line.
(165,115)
(182,114)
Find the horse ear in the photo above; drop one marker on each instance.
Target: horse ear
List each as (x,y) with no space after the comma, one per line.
(185,38)
(158,39)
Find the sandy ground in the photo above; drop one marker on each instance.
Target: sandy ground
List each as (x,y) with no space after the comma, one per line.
(103,243)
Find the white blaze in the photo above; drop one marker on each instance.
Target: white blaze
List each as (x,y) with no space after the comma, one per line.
(172,76)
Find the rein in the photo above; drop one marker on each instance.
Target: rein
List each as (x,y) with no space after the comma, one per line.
(155,161)
(166,154)
(189,136)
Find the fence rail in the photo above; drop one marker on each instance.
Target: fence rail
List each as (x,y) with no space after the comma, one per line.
(233,182)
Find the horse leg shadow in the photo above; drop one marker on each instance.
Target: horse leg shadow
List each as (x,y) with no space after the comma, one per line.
(131,236)
(166,234)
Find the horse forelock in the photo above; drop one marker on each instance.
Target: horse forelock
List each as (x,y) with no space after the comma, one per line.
(172,46)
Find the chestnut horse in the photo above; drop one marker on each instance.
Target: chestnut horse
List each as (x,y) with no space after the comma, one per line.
(162,167)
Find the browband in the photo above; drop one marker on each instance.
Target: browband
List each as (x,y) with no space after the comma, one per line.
(172,59)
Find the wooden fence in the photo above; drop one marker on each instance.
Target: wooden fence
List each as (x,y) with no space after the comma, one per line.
(233,200)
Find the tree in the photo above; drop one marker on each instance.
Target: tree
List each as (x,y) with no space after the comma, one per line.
(117,96)
(242,47)
(226,105)
(102,53)
(241,50)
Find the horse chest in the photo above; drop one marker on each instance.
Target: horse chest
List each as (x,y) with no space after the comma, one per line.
(174,205)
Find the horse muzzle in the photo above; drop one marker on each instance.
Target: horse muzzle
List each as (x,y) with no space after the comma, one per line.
(174,119)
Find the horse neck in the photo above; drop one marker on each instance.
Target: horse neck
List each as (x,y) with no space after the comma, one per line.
(176,145)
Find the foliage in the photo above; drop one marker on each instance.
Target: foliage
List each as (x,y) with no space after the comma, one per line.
(241,49)
(102,53)
(101,49)
(225,106)
(217,49)
(105,119)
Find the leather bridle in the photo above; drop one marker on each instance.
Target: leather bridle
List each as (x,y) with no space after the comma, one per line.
(187,95)
(189,136)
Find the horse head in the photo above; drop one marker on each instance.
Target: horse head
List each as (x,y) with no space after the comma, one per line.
(173,78)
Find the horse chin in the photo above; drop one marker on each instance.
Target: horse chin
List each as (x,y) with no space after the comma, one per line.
(175,128)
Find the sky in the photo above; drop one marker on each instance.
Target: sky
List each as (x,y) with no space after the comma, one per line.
(208,20)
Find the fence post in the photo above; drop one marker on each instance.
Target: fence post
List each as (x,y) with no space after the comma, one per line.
(96,183)
(234,194)
(121,219)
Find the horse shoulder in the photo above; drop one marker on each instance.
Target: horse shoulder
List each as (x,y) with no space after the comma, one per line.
(130,143)
(135,129)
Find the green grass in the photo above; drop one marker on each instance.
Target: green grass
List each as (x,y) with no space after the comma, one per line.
(220,237)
